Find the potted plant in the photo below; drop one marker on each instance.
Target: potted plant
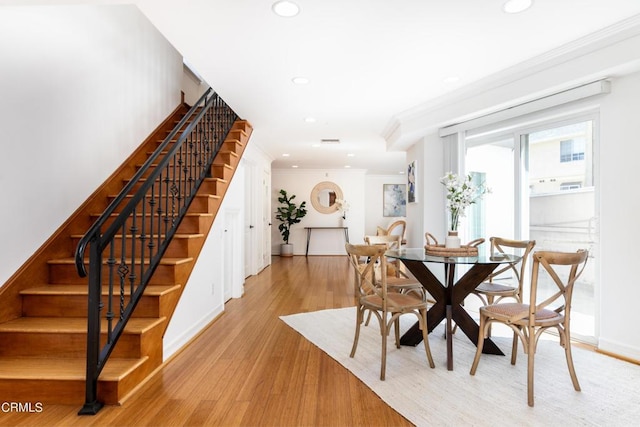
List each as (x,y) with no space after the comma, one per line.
(461,193)
(288,214)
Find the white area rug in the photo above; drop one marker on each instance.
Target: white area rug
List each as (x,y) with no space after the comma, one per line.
(496,395)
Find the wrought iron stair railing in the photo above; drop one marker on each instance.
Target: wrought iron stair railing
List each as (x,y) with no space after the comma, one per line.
(145,221)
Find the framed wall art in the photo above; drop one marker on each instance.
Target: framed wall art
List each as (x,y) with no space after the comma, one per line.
(394,200)
(412,179)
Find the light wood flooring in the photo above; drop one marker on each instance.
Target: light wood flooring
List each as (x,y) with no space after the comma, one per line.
(248,368)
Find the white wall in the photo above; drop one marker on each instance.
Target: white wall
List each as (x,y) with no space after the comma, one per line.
(323,242)
(374,215)
(619,206)
(203,297)
(374,203)
(82,87)
(192,87)
(426,214)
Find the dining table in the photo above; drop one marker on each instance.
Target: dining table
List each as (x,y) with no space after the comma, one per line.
(450,293)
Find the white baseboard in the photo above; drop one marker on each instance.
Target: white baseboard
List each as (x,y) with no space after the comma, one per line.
(619,349)
(170,348)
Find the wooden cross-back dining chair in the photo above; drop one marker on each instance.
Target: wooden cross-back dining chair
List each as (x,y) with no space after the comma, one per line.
(507,281)
(397,228)
(529,321)
(391,241)
(397,280)
(372,295)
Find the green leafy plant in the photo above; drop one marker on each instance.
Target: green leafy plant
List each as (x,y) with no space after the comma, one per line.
(288,214)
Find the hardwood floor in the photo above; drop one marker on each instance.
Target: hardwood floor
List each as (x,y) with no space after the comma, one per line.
(248,368)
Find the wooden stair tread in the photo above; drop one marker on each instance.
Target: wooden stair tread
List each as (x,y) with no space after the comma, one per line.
(241,130)
(215,179)
(68,368)
(136,325)
(193,214)
(234,154)
(174,140)
(234,141)
(210,179)
(163,261)
(155,165)
(55,289)
(148,236)
(212,196)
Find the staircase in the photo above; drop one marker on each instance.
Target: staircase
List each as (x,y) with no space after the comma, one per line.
(43,306)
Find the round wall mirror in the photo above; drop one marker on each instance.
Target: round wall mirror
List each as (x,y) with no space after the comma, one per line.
(324,195)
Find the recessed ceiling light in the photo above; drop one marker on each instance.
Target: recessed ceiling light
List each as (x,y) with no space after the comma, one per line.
(401,172)
(516,6)
(350,155)
(310,120)
(285,8)
(347,166)
(294,166)
(300,80)
(285,155)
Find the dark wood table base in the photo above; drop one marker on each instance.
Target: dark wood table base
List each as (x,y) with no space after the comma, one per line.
(448,305)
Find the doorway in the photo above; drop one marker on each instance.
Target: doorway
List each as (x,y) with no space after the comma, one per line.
(543,188)
(233,255)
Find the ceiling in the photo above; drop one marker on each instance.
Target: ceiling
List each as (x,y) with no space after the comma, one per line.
(367,61)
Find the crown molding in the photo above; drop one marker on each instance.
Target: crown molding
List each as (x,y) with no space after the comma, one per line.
(399,133)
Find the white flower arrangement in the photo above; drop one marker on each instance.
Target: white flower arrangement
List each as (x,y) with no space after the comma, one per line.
(461,192)
(343,206)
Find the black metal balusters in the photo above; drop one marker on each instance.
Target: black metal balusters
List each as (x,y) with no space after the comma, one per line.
(147,213)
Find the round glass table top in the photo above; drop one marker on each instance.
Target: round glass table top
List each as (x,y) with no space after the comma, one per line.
(419,254)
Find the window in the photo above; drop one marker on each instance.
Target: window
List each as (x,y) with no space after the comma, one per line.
(570,186)
(572,150)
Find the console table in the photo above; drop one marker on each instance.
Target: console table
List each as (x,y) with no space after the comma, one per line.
(309,229)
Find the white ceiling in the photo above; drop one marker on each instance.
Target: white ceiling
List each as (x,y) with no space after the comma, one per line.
(367,62)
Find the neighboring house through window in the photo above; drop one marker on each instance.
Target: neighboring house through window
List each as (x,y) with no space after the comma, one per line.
(572,150)
(570,186)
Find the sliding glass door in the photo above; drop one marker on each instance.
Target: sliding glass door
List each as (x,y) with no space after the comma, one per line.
(495,214)
(543,188)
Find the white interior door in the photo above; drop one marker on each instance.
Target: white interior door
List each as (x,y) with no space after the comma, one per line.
(233,256)
(250,254)
(266,218)
(228,258)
